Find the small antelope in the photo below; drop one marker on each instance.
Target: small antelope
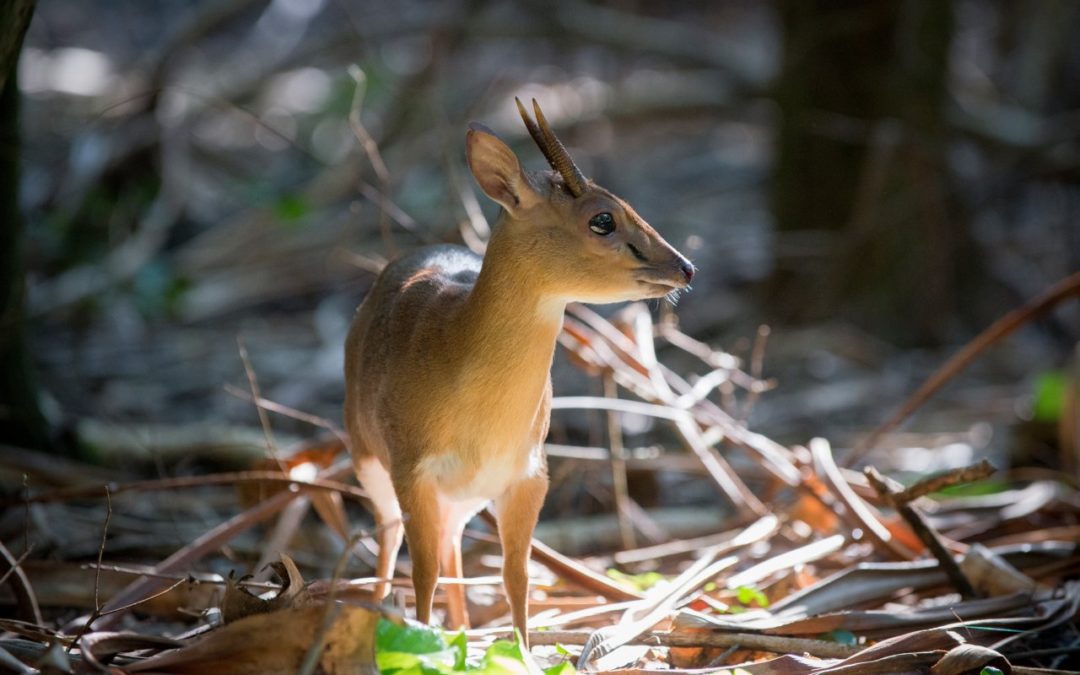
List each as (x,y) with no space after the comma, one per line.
(447,362)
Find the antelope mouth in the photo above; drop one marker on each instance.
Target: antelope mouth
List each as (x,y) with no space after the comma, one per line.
(656,278)
(656,288)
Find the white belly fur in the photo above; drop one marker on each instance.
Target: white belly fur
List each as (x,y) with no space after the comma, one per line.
(462,481)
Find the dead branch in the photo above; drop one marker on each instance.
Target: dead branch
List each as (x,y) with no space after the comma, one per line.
(964,474)
(927,534)
(768,643)
(1063,290)
(20,585)
(230,478)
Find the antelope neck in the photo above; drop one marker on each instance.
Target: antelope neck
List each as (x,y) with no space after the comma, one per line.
(510,322)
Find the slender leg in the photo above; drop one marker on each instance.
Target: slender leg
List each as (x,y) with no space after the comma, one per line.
(516,511)
(453,524)
(375,479)
(423,532)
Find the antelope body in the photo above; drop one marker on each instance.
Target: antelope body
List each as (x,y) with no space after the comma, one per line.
(447,363)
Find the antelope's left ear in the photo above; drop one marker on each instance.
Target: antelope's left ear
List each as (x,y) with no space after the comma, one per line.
(497,170)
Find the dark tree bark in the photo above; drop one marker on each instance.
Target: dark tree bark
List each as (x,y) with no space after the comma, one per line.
(21,421)
(860,155)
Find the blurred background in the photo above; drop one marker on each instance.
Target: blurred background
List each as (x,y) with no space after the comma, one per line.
(875,181)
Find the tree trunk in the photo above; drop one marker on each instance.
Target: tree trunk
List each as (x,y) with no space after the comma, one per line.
(21,421)
(860,157)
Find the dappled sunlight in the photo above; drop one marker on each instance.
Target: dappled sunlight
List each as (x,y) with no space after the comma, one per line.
(852,446)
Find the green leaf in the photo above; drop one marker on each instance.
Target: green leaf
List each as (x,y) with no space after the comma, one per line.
(409,638)
(460,644)
(748,595)
(983,487)
(844,637)
(401,663)
(639,582)
(291,208)
(1049,397)
(990,670)
(502,657)
(504,649)
(562,651)
(412,649)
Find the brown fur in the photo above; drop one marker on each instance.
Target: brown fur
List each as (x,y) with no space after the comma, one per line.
(448,389)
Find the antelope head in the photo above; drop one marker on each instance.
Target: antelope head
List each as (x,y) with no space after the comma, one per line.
(579,241)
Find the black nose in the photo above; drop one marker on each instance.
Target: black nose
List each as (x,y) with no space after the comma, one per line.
(687,270)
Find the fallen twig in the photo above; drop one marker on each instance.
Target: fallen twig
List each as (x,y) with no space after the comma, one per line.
(965,474)
(229,478)
(273,406)
(570,569)
(144,587)
(925,532)
(858,512)
(20,584)
(264,421)
(769,643)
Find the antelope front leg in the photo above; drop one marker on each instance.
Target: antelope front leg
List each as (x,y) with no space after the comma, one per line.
(423,533)
(453,522)
(516,511)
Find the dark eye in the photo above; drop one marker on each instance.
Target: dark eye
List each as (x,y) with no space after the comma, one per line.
(602,224)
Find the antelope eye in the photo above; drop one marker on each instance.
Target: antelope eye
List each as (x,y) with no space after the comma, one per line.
(602,224)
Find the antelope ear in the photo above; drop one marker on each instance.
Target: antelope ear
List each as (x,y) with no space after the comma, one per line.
(497,170)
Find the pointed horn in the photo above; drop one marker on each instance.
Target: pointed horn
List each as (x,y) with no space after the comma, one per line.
(553,149)
(534,131)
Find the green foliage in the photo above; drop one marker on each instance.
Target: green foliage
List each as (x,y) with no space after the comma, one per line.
(748,595)
(157,290)
(984,487)
(290,209)
(1049,397)
(639,582)
(412,650)
(419,650)
(990,670)
(844,637)
(460,645)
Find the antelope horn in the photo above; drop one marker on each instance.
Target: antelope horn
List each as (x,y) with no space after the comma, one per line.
(553,149)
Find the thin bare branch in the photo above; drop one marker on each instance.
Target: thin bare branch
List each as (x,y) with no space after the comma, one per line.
(264,421)
(1068,287)
(101,550)
(757,359)
(618,468)
(293,413)
(182,558)
(925,532)
(205,480)
(937,483)
(23,591)
(757,641)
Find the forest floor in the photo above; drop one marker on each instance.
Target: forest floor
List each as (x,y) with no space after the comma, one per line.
(203,221)
(799,565)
